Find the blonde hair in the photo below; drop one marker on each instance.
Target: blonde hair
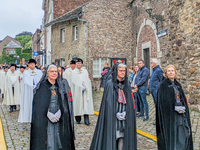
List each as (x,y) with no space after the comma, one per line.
(106,64)
(165,73)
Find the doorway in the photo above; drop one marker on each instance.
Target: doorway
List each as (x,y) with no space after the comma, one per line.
(146,57)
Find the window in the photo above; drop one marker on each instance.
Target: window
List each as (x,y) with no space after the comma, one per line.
(98,64)
(12,51)
(62,35)
(75,32)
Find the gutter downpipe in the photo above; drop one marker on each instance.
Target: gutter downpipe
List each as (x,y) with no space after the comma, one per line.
(86,40)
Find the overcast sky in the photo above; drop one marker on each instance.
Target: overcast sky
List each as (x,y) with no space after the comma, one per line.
(17,16)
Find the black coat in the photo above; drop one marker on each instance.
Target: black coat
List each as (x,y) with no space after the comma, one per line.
(169,133)
(38,140)
(105,133)
(104,77)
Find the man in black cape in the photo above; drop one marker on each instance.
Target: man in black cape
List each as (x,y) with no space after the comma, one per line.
(173,129)
(40,122)
(106,136)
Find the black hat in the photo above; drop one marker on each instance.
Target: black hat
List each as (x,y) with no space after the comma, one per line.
(13,65)
(5,67)
(72,62)
(22,66)
(31,61)
(79,60)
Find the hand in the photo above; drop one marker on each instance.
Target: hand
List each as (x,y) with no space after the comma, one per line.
(135,87)
(54,117)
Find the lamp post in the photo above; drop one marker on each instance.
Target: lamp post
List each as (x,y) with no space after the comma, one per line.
(148,7)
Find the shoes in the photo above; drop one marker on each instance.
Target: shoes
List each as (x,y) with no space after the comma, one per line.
(140,116)
(11,109)
(87,123)
(78,122)
(137,113)
(154,123)
(145,119)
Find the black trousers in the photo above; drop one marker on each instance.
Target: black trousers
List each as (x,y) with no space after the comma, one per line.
(78,118)
(13,106)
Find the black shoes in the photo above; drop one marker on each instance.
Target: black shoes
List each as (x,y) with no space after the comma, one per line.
(140,116)
(145,119)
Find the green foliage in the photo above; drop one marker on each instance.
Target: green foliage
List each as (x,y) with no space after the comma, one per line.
(28,45)
(23,39)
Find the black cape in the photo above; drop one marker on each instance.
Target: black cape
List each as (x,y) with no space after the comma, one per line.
(105,133)
(38,139)
(167,128)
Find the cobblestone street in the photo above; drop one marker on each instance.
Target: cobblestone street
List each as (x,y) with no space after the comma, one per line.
(17,135)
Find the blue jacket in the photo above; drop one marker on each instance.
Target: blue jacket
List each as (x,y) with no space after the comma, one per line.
(156,78)
(130,78)
(142,77)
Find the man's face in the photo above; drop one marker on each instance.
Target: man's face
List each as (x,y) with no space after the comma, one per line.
(31,66)
(27,68)
(22,70)
(121,72)
(73,66)
(140,64)
(79,65)
(12,68)
(6,69)
(153,65)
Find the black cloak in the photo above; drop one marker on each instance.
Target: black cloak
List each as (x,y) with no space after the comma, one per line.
(105,133)
(42,96)
(167,129)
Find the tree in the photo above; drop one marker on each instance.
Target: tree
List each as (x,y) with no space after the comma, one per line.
(23,39)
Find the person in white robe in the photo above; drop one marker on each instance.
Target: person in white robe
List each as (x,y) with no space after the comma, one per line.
(12,93)
(3,79)
(82,93)
(67,73)
(31,78)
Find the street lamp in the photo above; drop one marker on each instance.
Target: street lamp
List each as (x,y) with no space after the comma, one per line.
(148,7)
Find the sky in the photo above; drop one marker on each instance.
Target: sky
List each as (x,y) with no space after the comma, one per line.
(17,16)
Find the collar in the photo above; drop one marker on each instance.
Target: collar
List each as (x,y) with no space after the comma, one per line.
(142,67)
(155,67)
(32,71)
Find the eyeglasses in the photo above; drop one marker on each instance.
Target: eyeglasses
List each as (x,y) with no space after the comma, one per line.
(53,71)
(122,70)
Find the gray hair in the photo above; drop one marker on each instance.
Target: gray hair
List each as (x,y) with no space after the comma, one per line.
(51,66)
(155,61)
(121,65)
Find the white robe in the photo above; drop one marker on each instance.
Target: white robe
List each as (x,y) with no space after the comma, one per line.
(26,98)
(9,98)
(2,81)
(82,101)
(67,75)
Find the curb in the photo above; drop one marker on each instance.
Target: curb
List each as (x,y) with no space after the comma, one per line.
(2,139)
(138,131)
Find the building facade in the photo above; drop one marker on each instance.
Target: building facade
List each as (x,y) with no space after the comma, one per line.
(36,46)
(98,31)
(175,40)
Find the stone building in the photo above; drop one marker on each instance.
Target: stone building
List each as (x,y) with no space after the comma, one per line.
(52,10)
(6,41)
(178,42)
(107,24)
(36,46)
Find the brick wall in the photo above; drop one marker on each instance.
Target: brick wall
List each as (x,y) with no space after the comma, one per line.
(63,6)
(7,40)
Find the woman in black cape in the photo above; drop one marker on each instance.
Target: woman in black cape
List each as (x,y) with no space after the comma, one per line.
(173,125)
(43,135)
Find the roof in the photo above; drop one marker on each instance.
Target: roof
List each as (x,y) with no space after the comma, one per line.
(12,45)
(68,16)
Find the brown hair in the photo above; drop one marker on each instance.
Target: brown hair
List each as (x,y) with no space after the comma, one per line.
(131,67)
(165,73)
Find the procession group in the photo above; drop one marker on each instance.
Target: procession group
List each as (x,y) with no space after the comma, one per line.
(50,100)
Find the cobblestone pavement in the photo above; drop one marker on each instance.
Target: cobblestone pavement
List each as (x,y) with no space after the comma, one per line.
(17,135)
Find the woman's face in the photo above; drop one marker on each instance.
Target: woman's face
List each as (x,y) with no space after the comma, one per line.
(171,73)
(60,70)
(52,73)
(136,68)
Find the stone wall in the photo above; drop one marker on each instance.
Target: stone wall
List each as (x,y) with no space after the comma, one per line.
(181,45)
(109,31)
